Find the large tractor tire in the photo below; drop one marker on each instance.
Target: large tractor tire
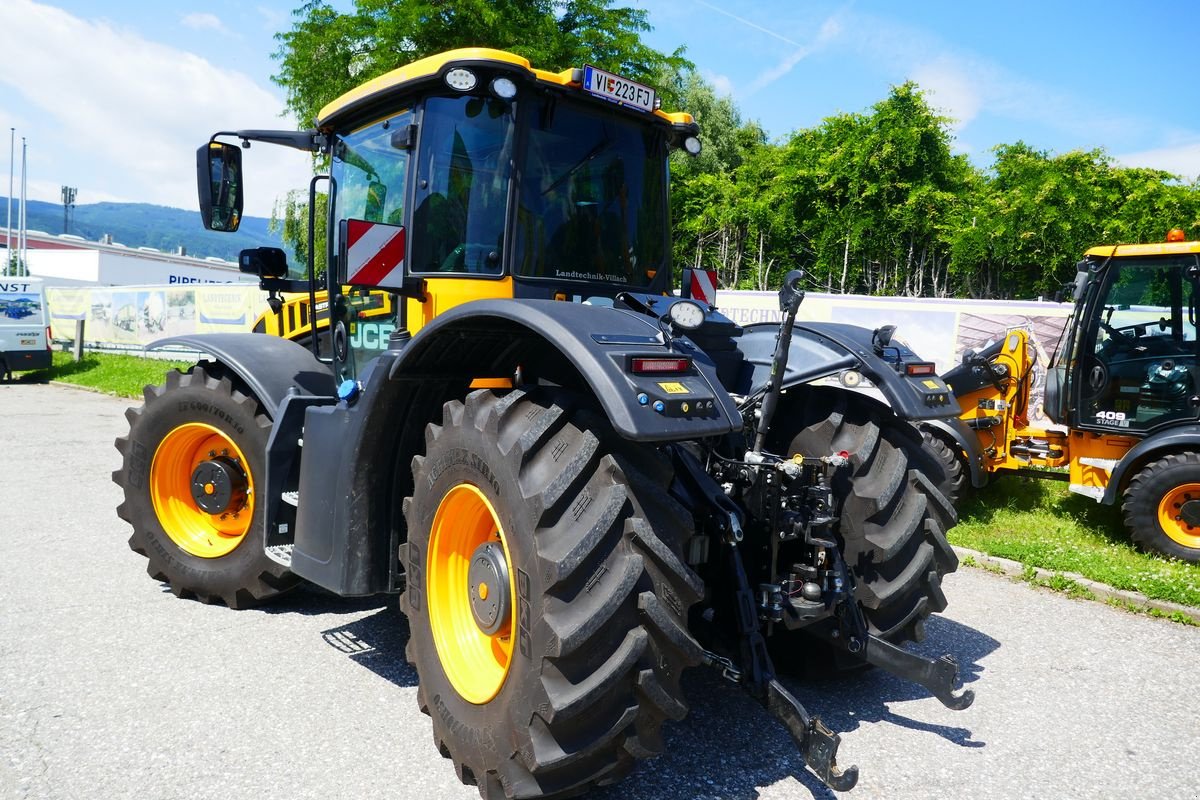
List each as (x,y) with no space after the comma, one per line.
(546,596)
(190,467)
(954,484)
(893,518)
(1162,506)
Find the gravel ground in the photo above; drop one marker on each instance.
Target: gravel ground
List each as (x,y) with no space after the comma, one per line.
(110,687)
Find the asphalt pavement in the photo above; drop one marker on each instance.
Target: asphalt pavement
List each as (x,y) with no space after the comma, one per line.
(110,687)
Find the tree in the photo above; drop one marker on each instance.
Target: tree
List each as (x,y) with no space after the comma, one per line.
(327,53)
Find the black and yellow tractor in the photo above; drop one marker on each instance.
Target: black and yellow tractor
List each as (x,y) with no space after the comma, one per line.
(1122,393)
(581,483)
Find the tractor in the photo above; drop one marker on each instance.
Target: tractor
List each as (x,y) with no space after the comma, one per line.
(578,482)
(1123,390)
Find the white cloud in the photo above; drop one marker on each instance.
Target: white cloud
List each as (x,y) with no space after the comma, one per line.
(722,84)
(1183,159)
(203,21)
(950,90)
(119,115)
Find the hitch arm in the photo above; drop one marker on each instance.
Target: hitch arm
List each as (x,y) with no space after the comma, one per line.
(817,744)
(939,676)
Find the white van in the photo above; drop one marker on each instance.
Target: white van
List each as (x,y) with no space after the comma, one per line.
(24,337)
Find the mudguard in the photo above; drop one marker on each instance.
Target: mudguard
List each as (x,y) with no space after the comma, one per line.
(269,366)
(492,338)
(821,350)
(1182,438)
(349,526)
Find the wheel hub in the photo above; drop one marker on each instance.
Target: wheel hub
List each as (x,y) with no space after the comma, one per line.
(488,588)
(219,485)
(1189,512)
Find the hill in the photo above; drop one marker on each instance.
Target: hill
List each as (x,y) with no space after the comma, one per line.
(145,225)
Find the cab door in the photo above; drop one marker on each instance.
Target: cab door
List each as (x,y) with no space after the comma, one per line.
(1138,367)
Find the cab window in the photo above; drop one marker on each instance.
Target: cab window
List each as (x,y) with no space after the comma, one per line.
(462,186)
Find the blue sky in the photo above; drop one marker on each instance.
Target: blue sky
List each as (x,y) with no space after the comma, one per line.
(114,98)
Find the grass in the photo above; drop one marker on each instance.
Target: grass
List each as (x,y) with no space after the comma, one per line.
(1035,522)
(120,375)
(1041,524)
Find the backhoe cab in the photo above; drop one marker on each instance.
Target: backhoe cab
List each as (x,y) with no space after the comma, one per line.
(581,483)
(1124,385)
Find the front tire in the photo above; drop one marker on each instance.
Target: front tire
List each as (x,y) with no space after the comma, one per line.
(190,468)
(564,683)
(1162,506)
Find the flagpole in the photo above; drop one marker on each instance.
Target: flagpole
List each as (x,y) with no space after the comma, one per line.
(8,248)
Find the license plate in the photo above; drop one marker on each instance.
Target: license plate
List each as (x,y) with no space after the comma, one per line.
(28,342)
(617,89)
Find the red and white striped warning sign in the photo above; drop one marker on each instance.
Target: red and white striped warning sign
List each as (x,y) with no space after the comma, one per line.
(700,284)
(374,254)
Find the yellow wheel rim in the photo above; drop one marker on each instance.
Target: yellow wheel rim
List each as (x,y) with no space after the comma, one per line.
(1173,519)
(194,530)
(476,662)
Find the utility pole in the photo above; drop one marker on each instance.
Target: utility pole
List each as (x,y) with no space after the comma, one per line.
(68,200)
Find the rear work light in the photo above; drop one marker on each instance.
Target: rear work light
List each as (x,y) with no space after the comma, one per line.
(642,365)
(924,368)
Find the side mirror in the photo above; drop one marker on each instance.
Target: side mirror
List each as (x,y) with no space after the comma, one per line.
(265,262)
(219,183)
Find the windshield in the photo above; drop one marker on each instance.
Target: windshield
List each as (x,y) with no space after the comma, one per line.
(593,197)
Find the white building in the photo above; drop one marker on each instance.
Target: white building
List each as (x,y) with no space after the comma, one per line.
(68,260)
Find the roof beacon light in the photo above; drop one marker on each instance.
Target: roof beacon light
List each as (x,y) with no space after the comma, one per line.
(1176,235)
(461,79)
(504,88)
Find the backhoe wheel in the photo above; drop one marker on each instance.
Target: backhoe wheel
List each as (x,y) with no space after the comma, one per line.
(893,518)
(546,596)
(191,468)
(1162,506)
(954,483)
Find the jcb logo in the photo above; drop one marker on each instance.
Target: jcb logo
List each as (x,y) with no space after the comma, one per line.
(371,335)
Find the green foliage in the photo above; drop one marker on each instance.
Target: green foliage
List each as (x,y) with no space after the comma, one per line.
(877,203)
(327,53)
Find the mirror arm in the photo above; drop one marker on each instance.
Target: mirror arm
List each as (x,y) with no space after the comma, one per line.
(311,141)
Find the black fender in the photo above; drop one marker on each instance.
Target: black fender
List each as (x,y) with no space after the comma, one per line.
(823,349)
(270,367)
(492,338)
(956,432)
(1182,438)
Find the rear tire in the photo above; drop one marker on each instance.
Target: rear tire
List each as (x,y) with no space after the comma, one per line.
(200,555)
(954,483)
(892,517)
(1162,506)
(593,546)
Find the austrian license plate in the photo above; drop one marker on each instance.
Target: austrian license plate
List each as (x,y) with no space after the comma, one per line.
(617,89)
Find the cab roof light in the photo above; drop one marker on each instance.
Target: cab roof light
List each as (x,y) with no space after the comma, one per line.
(461,79)
(657,365)
(1176,235)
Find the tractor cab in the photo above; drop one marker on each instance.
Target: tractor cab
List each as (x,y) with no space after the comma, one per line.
(471,175)
(1130,360)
